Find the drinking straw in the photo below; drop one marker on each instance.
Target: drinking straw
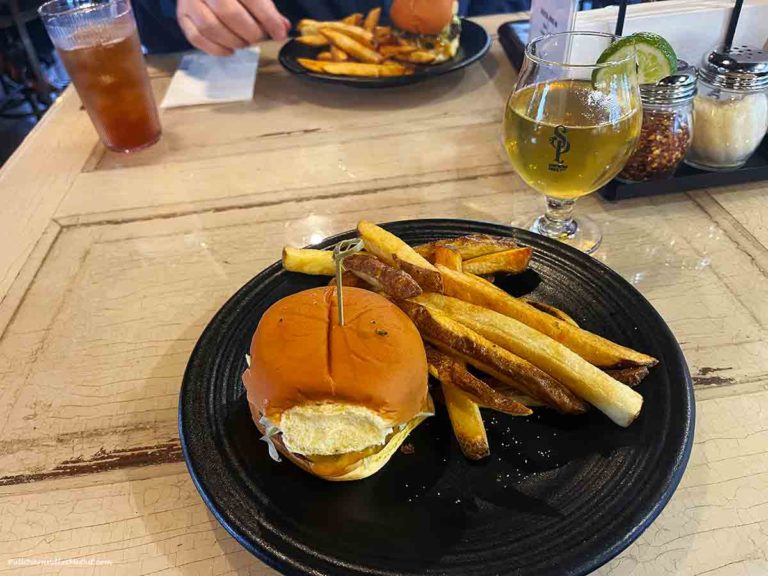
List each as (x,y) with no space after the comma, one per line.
(733,23)
(622,15)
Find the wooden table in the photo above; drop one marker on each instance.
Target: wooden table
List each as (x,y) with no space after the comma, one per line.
(110,267)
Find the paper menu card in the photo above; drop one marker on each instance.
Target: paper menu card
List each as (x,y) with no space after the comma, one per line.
(551,16)
(693,28)
(205,79)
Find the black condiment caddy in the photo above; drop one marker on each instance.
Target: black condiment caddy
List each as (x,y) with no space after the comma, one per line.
(514,37)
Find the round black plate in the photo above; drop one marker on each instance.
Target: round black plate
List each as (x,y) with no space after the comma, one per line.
(558,496)
(473,44)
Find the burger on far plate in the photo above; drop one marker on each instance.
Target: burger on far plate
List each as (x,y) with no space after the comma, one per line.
(433,25)
(337,400)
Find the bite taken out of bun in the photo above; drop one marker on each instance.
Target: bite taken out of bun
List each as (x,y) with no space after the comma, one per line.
(337,400)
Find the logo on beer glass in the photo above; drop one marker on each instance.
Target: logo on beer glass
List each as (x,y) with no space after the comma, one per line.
(561,145)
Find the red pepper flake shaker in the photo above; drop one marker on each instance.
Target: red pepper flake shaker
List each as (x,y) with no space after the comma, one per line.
(667,127)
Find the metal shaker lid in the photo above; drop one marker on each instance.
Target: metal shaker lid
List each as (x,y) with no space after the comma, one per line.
(738,67)
(673,89)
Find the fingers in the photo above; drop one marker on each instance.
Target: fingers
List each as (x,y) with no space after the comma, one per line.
(199,41)
(270,19)
(209,25)
(235,17)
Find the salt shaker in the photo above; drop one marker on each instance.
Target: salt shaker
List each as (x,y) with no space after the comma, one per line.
(667,127)
(730,112)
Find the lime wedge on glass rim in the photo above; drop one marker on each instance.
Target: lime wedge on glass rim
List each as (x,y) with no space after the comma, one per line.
(655,58)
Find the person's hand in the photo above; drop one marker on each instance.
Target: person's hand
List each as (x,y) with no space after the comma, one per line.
(219,27)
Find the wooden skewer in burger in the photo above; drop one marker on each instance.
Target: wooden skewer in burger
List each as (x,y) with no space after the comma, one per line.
(337,396)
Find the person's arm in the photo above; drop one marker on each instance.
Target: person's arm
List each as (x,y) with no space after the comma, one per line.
(219,27)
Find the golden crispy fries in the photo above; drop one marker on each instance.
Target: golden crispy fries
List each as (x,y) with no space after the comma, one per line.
(472,246)
(325,56)
(350,279)
(356,33)
(551,310)
(395,252)
(353,19)
(382,30)
(448,258)
(391,51)
(309,261)
(352,47)
(313,40)
(478,391)
(510,392)
(466,344)
(466,420)
(629,376)
(307,27)
(354,68)
(593,348)
(338,55)
(511,261)
(372,19)
(382,277)
(616,400)
(415,57)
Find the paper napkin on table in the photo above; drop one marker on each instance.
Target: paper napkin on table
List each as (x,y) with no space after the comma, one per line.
(692,28)
(205,79)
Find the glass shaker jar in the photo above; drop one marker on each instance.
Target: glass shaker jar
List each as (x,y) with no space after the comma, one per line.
(667,127)
(730,112)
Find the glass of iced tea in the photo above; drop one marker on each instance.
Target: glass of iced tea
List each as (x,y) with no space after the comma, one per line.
(99,45)
(570,125)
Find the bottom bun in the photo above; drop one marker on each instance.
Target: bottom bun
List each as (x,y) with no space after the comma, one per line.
(346,467)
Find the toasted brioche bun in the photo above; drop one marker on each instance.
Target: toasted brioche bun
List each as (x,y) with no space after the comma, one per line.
(422,16)
(342,397)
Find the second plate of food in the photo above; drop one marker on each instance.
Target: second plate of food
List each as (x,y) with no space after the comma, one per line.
(474,42)
(558,495)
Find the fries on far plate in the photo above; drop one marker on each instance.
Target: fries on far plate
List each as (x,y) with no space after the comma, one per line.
(359,39)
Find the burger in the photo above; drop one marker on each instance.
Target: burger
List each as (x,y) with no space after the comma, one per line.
(336,400)
(433,25)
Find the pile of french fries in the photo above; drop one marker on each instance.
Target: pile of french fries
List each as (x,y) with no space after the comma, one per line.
(358,46)
(523,354)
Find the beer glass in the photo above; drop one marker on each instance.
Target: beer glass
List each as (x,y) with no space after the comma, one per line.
(570,125)
(99,46)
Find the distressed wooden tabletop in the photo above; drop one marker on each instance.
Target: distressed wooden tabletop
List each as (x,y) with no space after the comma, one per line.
(110,267)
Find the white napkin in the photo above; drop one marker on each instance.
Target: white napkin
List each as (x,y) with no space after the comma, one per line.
(205,79)
(693,28)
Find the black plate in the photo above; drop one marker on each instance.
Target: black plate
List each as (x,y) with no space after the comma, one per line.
(473,44)
(559,495)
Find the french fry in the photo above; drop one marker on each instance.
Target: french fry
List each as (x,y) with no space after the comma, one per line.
(350,279)
(471,246)
(356,33)
(511,261)
(372,19)
(415,57)
(551,310)
(464,343)
(325,56)
(307,26)
(352,47)
(395,252)
(478,391)
(510,392)
(629,376)
(354,68)
(448,258)
(315,40)
(309,261)
(593,348)
(390,51)
(382,277)
(616,400)
(466,420)
(353,19)
(338,55)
